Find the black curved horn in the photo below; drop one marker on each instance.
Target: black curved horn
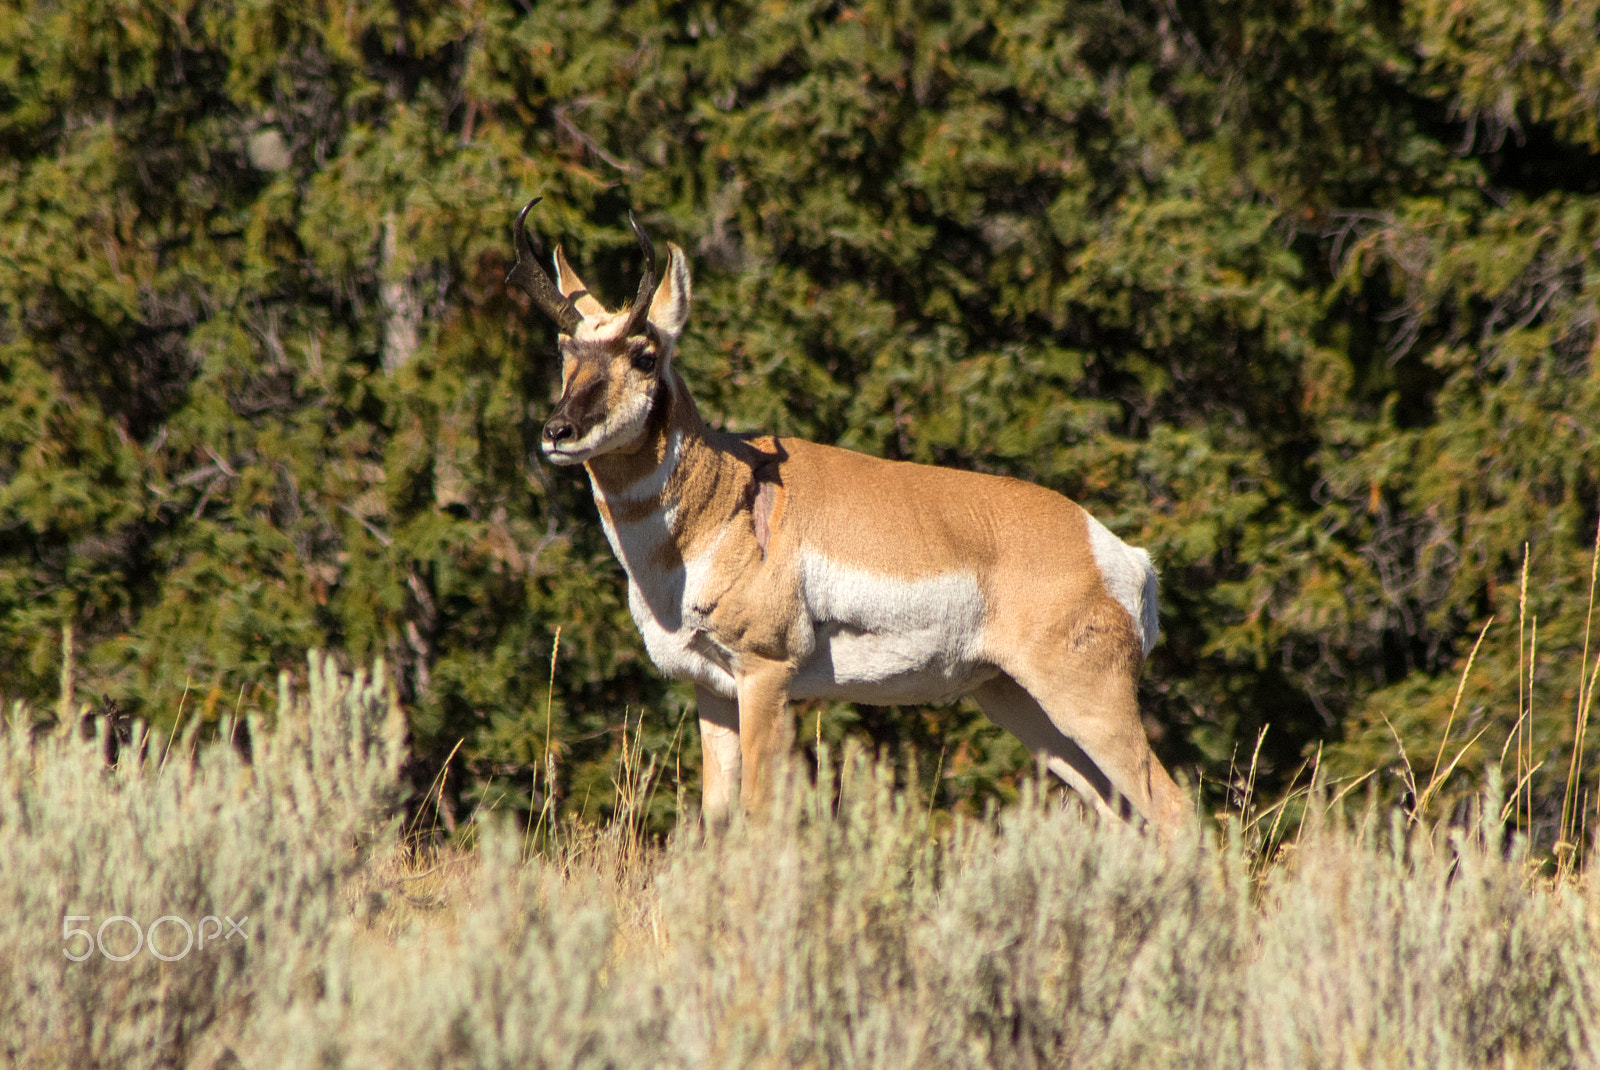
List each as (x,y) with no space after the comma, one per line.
(531,279)
(647,283)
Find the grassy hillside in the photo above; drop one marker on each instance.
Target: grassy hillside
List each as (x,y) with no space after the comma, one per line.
(848,931)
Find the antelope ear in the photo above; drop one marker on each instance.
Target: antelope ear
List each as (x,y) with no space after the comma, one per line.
(669,310)
(573,289)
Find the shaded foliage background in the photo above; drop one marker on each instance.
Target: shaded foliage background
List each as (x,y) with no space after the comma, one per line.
(1301,296)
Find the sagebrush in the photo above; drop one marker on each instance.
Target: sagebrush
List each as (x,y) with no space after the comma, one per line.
(841,932)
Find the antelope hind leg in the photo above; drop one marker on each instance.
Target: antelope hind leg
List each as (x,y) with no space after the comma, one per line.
(1097,708)
(1006,704)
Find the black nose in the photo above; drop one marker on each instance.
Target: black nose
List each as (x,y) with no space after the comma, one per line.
(558,431)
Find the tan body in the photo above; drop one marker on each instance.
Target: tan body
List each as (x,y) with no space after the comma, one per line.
(765,569)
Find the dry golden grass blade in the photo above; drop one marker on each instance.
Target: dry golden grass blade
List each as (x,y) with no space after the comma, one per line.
(1461,686)
(1516,795)
(1247,801)
(1569,813)
(1516,732)
(1533,661)
(1411,776)
(436,793)
(547,762)
(1452,766)
(1347,789)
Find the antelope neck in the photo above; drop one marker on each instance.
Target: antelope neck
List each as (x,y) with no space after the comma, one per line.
(673,450)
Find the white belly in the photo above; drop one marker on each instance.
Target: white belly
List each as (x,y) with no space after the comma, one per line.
(890,641)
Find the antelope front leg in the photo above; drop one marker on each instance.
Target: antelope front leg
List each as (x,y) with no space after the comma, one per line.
(719,753)
(765,729)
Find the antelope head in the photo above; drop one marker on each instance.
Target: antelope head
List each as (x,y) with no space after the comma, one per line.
(613,364)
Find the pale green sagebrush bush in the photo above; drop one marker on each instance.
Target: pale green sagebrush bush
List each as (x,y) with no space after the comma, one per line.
(186,834)
(856,943)
(839,933)
(1382,949)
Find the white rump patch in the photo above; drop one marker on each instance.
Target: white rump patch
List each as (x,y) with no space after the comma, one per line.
(1129,577)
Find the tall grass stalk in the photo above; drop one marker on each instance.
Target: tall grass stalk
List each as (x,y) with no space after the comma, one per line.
(1517,727)
(436,793)
(1435,781)
(1528,763)
(67,703)
(634,785)
(547,801)
(1570,811)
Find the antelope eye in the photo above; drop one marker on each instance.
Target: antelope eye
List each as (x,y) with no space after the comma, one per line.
(644,362)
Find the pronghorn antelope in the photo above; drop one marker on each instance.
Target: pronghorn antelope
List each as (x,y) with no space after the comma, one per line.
(765,569)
